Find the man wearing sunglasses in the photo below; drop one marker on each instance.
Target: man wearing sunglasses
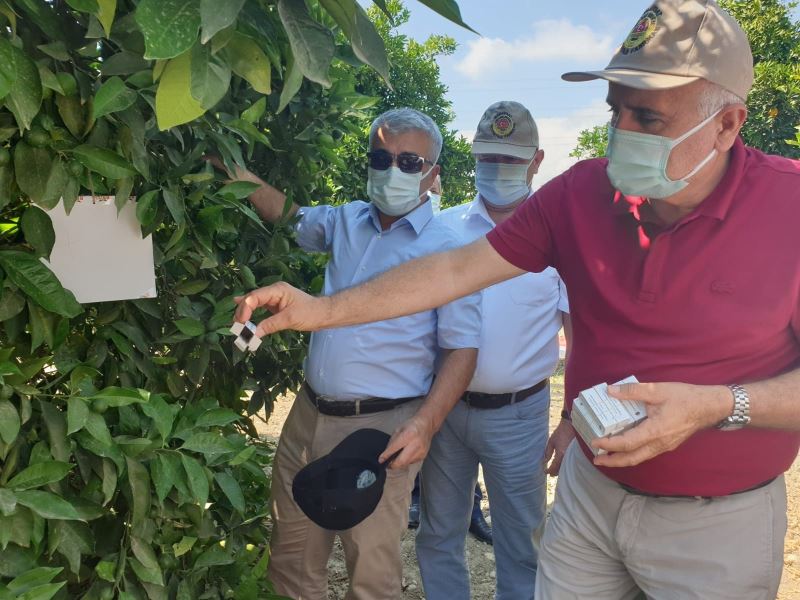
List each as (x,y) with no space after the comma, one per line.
(502,421)
(370,376)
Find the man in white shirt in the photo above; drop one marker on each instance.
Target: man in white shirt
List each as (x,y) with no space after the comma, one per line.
(502,421)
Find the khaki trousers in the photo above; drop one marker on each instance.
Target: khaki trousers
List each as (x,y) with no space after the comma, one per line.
(603,543)
(300,548)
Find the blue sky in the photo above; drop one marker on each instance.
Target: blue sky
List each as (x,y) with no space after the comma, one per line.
(524,47)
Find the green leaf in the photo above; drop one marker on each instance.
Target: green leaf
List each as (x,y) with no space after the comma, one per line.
(365,40)
(8,501)
(449,10)
(25,87)
(106,570)
(217,417)
(9,422)
(146,575)
(38,230)
(117,396)
(11,304)
(97,428)
(144,553)
(88,6)
(39,283)
(47,505)
(72,540)
(175,206)
(198,482)
(231,488)
(39,474)
(103,161)
(243,456)
(163,474)
(213,557)
(139,480)
(192,327)
(72,113)
(147,207)
(208,443)
(239,189)
(312,44)
(77,414)
(184,545)
(249,62)
(109,481)
(113,96)
(216,16)
(256,111)
(33,578)
(42,592)
(158,410)
(32,168)
(106,14)
(210,77)
(56,431)
(169,26)
(174,102)
(292,81)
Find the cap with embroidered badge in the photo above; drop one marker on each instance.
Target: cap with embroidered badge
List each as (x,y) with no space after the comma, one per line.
(507,128)
(342,488)
(676,42)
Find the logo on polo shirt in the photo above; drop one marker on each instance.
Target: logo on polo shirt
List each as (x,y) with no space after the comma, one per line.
(642,32)
(503,125)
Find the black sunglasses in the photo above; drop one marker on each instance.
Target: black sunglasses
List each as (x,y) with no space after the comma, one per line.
(408,162)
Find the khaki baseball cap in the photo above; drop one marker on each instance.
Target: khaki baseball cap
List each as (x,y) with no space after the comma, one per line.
(508,128)
(676,42)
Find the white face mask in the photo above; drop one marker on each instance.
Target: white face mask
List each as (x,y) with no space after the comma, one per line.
(436,202)
(501,183)
(637,162)
(393,192)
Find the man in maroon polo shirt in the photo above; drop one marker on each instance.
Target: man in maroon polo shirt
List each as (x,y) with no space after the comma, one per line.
(681,256)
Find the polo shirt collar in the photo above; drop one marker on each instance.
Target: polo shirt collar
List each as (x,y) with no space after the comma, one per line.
(718,202)
(417,218)
(478,209)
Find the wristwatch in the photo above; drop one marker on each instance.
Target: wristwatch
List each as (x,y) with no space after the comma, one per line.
(741,410)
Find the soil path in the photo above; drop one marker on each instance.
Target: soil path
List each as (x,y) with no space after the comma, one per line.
(480,557)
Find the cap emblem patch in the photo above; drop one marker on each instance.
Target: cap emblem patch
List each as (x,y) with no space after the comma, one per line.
(642,32)
(503,125)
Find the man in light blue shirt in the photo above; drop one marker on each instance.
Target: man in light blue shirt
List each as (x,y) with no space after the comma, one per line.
(378,375)
(502,421)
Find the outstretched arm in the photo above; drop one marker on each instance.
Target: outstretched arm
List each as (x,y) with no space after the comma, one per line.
(412,287)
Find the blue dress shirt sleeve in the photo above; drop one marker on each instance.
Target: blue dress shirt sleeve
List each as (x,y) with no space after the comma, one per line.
(563,302)
(315,228)
(459,323)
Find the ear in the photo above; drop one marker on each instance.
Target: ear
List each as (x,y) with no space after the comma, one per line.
(731,120)
(431,177)
(534,168)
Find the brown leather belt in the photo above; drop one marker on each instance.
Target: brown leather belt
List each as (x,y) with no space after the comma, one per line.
(636,492)
(481,400)
(351,408)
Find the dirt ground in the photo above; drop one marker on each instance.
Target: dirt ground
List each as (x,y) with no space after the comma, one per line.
(480,557)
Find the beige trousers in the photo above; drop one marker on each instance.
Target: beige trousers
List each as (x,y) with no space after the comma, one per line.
(300,548)
(603,543)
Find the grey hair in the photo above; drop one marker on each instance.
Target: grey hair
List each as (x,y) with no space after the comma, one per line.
(401,120)
(714,97)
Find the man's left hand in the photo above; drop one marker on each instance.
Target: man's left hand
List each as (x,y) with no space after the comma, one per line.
(413,439)
(675,411)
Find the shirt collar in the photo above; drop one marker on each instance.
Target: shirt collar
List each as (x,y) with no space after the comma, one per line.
(716,204)
(417,218)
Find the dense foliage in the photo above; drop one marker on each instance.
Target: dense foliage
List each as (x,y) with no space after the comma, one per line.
(126,467)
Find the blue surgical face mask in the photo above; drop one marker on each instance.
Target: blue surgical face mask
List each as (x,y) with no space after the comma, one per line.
(393,192)
(637,162)
(502,184)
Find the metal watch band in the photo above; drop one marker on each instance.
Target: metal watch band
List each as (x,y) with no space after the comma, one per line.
(741,409)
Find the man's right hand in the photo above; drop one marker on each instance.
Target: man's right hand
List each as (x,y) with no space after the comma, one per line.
(291,308)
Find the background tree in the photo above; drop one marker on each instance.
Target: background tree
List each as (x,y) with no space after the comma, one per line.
(774,101)
(416,83)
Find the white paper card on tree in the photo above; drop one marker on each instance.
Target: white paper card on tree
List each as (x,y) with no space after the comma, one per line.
(100,256)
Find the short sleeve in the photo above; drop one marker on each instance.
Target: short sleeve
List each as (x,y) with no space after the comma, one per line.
(315,227)
(563,302)
(459,323)
(526,239)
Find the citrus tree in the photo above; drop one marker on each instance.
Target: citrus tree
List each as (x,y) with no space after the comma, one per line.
(127,469)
